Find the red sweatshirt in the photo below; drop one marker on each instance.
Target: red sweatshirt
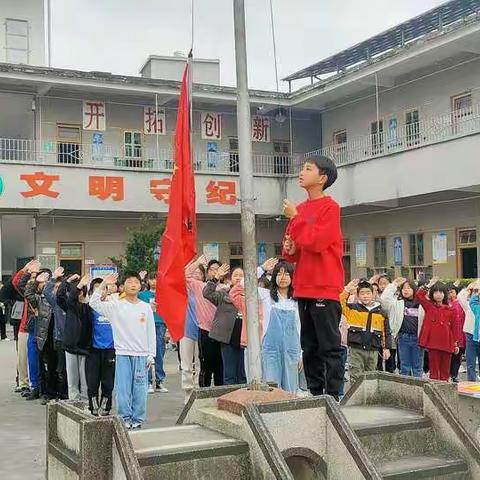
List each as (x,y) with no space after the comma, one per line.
(319,250)
(438,329)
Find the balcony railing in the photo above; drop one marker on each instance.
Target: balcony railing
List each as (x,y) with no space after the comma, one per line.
(137,157)
(425,132)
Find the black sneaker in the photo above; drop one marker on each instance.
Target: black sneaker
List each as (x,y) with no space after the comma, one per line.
(45,399)
(25,393)
(33,395)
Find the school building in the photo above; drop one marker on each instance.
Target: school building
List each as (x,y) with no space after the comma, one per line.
(85,155)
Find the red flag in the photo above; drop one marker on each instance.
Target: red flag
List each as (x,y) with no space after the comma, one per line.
(179,238)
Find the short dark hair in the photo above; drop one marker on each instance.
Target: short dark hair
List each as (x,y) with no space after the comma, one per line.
(132,274)
(439,287)
(451,286)
(212,262)
(363,285)
(326,166)
(289,268)
(95,281)
(152,276)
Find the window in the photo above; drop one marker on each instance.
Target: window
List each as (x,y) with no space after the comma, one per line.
(416,249)
(133,144)
(69,144)
(467,237)
(347,262)
(233,148)
(340,145)
(380,252)
(376,131)
(236,250)
(71,257)
(278,249)
(16,40)
(346,246)
(461,113)
(281,158)
(412,127)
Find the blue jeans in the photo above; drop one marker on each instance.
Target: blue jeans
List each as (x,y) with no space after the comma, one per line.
(160,330)
(281,350)
(233,365)
(343,360)
(411,355)
(472,352)
(131,388)
(33,361)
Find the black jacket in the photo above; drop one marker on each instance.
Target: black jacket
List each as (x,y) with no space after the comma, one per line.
(225,315)
(40,308)
(77,336)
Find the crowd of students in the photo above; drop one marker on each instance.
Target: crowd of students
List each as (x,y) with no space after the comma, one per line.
(82,338)
(79,338)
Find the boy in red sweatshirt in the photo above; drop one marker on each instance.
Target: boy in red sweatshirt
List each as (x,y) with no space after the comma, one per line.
(313,240)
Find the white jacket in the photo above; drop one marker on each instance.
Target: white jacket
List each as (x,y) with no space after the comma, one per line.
(464,301)
(395,308)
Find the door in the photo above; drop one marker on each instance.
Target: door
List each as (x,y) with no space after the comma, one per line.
(462,112)
(281,158)
(469,262)
(376,131)
(69,139)
(71,266)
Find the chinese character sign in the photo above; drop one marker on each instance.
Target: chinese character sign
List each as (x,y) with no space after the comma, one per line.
(211,126)
(160,189)
(106,187)
(222,192)
(40,184)
(260,128)
(93,115)
(154,121)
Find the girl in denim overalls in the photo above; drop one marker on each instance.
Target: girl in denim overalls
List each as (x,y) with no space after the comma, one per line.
(281,351)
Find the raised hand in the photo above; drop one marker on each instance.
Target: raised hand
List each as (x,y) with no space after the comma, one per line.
(374,279)
(289,209)
(43,277)
(222,271)
(202,260)
(289,245)
(33,266)
(432,282)
(73,278)
(142,275)
(85,280)
(351,288)
(399,281)
(270,264)
(111,279)
(58,272)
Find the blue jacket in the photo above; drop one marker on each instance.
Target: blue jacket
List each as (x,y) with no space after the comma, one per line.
(58,313)
(102,337)
(146,296)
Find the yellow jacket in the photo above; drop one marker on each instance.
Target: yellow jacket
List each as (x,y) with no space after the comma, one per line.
(368,328)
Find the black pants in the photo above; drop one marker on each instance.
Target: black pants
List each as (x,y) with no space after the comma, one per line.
(456,362)
(321,344)
(3,326)
(211,363)
(390,364)
(62,385)
(48,368)
(100,370)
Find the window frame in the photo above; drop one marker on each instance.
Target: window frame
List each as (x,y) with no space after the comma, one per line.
(26,36)
(414,257)
(377,263)
(132,145)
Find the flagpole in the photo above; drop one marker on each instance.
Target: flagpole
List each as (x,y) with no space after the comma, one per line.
(247,195)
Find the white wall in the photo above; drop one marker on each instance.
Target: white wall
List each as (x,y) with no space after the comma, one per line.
(120,117)
(17,240)
(431,96)
(33,12)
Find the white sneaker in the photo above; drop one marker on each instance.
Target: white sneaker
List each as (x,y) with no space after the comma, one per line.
(463,369)
(161,388)
(6,339)
(150,388)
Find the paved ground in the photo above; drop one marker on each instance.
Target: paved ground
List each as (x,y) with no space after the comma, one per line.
(22,423)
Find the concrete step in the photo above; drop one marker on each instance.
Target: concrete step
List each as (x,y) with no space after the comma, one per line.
(173,453)
(374,419)
(389,433)
(417,467)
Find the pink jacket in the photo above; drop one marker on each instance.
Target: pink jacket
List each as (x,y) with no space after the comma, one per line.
(237,294)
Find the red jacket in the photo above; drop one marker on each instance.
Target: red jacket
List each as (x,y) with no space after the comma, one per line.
(459,321)
(438,329)
(15,281)
(319,250)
